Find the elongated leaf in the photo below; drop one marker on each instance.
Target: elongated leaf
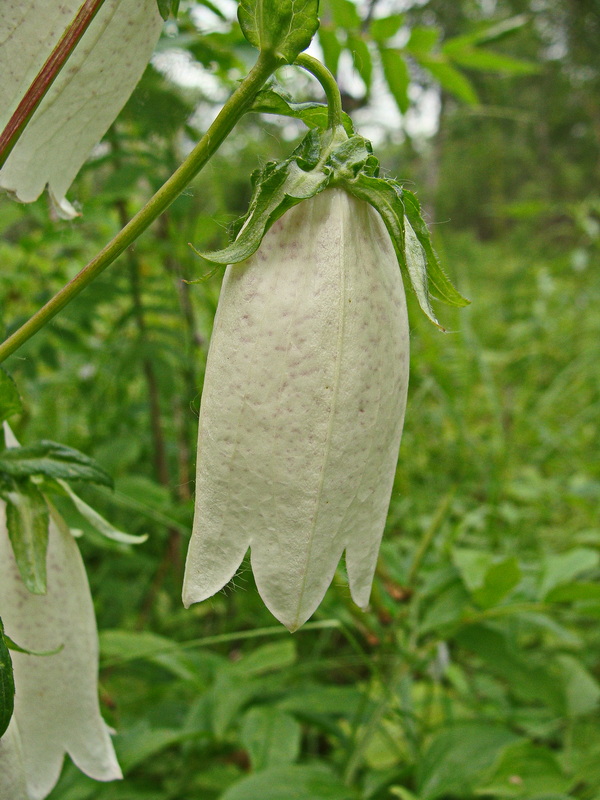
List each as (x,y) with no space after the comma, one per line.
(384,28)
(437,277)
(275,100)
(10,402)
(53,460)
(7,684)
(488,61)
(396,75)
(27,523)
(449,78)
(103,526)
(283,28)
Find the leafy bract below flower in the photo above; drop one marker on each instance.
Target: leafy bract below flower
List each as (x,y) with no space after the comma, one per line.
(56,697)
(86,96)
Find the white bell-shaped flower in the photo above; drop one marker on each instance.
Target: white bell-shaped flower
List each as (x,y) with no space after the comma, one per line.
(56,696)
(302,409)
(86,96)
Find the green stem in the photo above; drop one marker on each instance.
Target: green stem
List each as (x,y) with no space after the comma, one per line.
(237,105)
(328,82)
(46,77)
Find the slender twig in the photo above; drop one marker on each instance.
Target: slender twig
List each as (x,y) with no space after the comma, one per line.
(46,77)
(237,105)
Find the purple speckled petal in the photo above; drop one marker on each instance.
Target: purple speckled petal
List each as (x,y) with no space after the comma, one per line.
(302,409)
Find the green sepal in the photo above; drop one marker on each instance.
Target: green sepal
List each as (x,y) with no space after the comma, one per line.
(282,28)
(7,683)
(167,8)
(27,523)
(438,279)
(275,100)
(10,402)
(386,198)
(52,460)
(331,158)
(276,188)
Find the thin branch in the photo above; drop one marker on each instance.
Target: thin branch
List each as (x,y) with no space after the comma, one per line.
(237,105)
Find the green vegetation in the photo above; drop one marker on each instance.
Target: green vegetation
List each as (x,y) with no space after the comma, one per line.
(476,672)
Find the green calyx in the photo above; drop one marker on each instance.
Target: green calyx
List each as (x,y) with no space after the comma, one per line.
(337,157)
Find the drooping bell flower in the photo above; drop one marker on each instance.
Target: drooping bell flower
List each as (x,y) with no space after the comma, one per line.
(56,696)
(85,98)
(302,409)
(307,374)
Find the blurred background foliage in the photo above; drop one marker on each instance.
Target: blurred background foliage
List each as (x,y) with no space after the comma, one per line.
(476,672)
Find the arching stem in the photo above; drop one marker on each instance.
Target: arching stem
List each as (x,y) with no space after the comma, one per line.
(328,82)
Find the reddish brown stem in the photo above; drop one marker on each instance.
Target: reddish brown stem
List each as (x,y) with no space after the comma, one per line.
(46,77)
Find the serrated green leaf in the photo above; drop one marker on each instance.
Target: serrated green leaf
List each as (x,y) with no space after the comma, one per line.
(449,78)
(103,526)
(282,28)
(7,684)
(275,100)
(396,74)
(384,28)
(27,523)
(440,282)
(10,402)
(54,461)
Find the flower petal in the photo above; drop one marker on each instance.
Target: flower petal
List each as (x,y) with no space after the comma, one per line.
(87,95)
(56,699)
(302,409)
